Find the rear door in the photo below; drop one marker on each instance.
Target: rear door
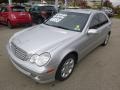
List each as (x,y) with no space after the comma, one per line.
(88,42)
(105,25)
(91,41)
(99,22)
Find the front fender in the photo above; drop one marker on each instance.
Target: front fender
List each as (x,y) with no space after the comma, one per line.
(59,55)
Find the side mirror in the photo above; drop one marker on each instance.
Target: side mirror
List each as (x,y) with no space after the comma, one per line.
(92,32)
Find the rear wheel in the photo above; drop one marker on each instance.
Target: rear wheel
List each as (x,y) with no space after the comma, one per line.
(10,25)
(66,68)
(106,40)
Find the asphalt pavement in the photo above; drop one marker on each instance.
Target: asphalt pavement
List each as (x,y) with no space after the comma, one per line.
(100,70)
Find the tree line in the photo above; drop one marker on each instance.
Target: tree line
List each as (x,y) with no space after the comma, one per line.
(74,2)
(16,1)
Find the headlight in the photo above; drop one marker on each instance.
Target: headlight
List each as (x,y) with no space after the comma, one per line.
(40,60)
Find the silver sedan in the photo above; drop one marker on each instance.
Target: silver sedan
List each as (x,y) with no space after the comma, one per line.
(50,51)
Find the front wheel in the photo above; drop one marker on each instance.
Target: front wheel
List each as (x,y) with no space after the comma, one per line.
(66,68)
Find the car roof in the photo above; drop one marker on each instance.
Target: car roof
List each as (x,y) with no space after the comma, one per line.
(14,6)
(86,11)
(42,5)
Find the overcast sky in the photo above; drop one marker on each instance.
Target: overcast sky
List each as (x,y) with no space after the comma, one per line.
(115,2)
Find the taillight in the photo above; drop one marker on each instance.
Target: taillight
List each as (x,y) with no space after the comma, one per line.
(29,15)
(13,16)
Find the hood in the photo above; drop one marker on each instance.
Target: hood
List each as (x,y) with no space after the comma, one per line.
(41,38)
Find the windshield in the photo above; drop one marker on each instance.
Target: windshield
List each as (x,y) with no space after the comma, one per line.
(69,21)
(18,9)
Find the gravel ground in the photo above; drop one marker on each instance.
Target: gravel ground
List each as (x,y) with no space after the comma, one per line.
(98,71)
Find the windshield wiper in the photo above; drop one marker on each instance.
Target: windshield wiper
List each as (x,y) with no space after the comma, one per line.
(61,27)
(56,26)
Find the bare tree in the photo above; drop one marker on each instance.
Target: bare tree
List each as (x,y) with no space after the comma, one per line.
(101,3)
(82,3)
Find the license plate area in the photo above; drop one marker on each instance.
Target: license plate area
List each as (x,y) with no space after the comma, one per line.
(21,70)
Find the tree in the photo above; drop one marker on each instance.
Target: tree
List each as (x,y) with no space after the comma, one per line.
(117,10)
(16,1)
(20,1)
(81,3)
(3,1)
(107,3)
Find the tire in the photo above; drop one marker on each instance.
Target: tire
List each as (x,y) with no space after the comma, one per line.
(66,68)
(106,40)
(40,20)
(10,25)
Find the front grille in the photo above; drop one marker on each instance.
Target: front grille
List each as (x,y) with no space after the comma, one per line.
(19,53)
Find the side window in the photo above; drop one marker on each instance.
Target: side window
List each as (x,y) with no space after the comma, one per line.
(98,20)
(94,22)
(103,19)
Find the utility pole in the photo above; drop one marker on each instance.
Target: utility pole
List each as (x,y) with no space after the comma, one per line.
(74,3)
(101,4)
(56,4)
(66,2)
(10,2)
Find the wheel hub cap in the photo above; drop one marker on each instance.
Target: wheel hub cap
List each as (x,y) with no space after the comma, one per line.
(67,68)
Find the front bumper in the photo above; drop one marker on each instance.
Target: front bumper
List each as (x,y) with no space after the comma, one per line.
(35,72)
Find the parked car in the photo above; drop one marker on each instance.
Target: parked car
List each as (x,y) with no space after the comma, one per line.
(41,12)
(14,15)
(108,11)
(50,51)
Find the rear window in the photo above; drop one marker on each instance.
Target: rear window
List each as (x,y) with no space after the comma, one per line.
(18,9)
(48,8)
(42,8)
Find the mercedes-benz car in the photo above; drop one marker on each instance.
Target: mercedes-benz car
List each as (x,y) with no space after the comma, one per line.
(50,51)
